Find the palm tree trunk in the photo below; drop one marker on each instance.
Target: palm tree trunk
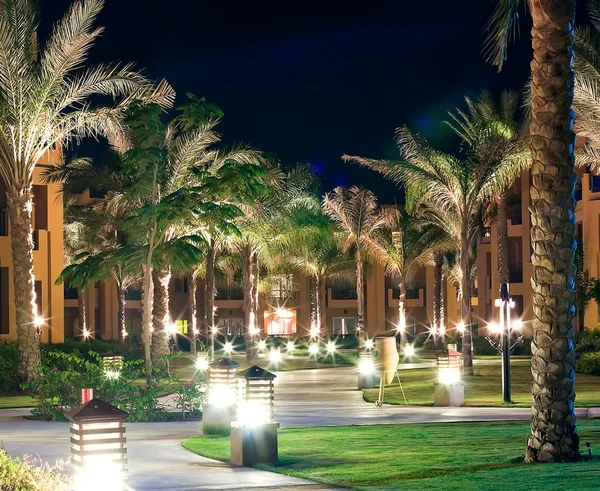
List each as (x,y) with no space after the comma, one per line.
(553,434)
(250,284)
(81,312)
(193,325)
(147,300)
(360,294)
(437,293)
(20,204)
(503,272)
(402,312)
(121,313)
(465,304)
(210,296)
(160,318)
(314,306)
(323,303)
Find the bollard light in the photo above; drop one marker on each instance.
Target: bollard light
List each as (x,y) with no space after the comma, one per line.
(275,356)
(315,332)
(228,347)
(409,351)
(98,446)
(369,344)
(218,411)
(255,396)
(112,365)
(202,361)
(262,345)
(313,349)
(290,346)
(366,366)
(331,348)
(254,434)
(449,391)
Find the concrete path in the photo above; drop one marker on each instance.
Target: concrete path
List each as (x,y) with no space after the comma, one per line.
(329,397)
(157,461)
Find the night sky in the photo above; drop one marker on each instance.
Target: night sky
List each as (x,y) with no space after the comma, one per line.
(310,81)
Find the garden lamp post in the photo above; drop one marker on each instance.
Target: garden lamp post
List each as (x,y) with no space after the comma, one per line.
(254,433)
(449,389)
(98,446)
(112,364)
(505,304)
(219,410)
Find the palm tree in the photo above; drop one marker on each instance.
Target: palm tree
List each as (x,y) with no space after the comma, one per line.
(405,243)
(490,133)
(317,256)
(553,434)
(454,191)
(355,212)
(46,100)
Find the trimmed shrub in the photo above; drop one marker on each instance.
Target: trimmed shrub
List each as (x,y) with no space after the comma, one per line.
(9,366)
(93,345)
(30,475)
(588,340)
(588,363)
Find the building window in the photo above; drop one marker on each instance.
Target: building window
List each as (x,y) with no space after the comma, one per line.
(38,297)
(182,326)
(515,264)
(344,326)
(3,223)
(181,285)
(4,329)
(133,294)
(232,326)
(343,289)
(282,287)
(281,324)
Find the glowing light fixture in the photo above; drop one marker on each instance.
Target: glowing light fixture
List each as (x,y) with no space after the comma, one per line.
(86,333)
(517,324)
(460,327)
(112,364)
(275,356)
(315,332)
(331,348)
(494,328)
(448,376)
(262,345)
(221,382)
(39,321)
(171,328)
(214,330)
(313,349)
(255,395)
(202,362)
(290,346)
(124,333)
(98,446)
(195,331)
(409,351)
(366,366)
(254,331)
(228,347)
(369,344)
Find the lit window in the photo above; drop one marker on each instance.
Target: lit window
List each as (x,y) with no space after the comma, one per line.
(232,326)
(281,323)
(343,326)
(182,326)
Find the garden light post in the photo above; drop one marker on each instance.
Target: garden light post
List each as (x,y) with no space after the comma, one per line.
(219,410)
(254,433)
(366,370)
(98,446)
(112,365)
(504,302)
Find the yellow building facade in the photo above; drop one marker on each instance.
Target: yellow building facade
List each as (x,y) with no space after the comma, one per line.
(47,256)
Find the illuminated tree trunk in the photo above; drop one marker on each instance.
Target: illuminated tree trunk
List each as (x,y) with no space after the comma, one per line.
(193,323)
(82,312)
(121,313)
(20,205)
(553,435)
(360,293)
(402,312)
(160,318)
(315,304)
(210,295)
(503,272)
(465,302)
(147,300)
(250,284)
(437,293)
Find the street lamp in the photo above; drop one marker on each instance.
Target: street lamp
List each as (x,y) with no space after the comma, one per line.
(217,412)
(505,303)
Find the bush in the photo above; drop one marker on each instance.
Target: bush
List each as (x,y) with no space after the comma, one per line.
(30,475)
(94,346)
(9,366)
(61,376)
(588,340)
(588,363)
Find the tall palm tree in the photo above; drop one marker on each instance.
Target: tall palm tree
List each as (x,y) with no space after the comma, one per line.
(553,434)
(46,100)
(455,191)
(405,243)
(490,133)
(355,212)
(318,256)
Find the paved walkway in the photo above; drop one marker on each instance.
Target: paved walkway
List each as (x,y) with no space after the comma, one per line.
(329,397)
(157,461)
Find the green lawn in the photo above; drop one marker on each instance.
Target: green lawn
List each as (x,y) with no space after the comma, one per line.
(12,401)
(473,456)
(483,389)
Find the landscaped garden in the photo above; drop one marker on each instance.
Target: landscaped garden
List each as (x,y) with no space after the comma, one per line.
(457,456)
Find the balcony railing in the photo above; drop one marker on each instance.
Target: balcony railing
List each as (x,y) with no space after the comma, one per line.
(133,294)
(229,294)
(516,219)
(411,293)
(343,294)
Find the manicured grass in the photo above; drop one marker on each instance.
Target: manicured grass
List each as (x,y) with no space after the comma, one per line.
(12,401)
(473,456)
(483,389)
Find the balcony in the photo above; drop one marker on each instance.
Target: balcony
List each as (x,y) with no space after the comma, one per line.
(229,293)
(595,184)
(486,235)
(341,298)
(415,297)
